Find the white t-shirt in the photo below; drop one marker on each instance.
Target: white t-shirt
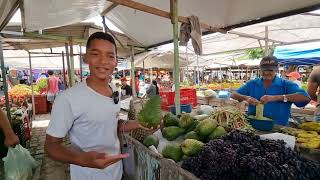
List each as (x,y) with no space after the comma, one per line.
(90,119)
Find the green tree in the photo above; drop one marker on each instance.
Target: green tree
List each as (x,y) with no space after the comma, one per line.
(256,53)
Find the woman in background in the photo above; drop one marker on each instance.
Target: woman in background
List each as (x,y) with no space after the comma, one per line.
(153,89)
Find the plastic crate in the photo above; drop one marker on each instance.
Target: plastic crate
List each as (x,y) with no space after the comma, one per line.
(40,103)
(184,108)
(187,96)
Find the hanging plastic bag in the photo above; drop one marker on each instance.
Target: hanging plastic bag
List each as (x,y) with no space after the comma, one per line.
(18,164)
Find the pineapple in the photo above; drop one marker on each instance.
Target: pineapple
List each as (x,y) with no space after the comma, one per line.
(132,111)
(138,134)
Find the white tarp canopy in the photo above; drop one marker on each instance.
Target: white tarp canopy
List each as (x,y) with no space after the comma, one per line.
(289,30)
(164,59)
(6,6)
(20,59)
(148,29)
(156,59)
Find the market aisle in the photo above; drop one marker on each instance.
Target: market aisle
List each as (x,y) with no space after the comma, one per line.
(49,169)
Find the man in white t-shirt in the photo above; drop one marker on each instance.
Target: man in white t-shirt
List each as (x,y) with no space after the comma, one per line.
(88,114)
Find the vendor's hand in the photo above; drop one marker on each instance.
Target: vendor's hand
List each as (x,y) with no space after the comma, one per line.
(97,160)
(11,140)
(267,98)
(252,101)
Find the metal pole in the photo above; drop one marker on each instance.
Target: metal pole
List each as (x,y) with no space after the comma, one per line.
(71,62)
(80,59)
(64,70)
(133,77)
(198,71)
(144,72)
(187,57)
(5,85)
(174,12)
(31,80)
(68,64)
(266,53)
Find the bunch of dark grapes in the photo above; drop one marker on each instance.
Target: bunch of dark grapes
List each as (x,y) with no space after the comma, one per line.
(244,156)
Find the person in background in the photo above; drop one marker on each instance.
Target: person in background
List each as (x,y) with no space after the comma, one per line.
(277,94)
(11,139)
(294,77)
(313,90)
(136,83)
(53,86)
(61,84)
(126,90)
(153,89)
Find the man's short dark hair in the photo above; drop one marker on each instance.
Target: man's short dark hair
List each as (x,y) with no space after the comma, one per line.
(50,72)
(103,36)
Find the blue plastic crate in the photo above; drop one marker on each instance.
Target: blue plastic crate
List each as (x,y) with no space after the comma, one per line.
(224,94)
(187,108)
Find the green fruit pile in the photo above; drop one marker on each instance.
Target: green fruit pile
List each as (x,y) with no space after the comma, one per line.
(150,115)
(194,132)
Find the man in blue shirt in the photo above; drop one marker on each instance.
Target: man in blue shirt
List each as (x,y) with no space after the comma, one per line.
(275,93)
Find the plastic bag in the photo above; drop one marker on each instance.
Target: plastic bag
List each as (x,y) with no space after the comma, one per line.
(18,164)
(205,109)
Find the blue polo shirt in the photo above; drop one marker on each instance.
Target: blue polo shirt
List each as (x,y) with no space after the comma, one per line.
(278,111)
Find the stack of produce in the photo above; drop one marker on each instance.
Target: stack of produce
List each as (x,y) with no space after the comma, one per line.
(231,118)
(41,85)
(20,90)
(222,86)
(308,134)
(149,116)
(243,155)
(209,93)
(194,133)
(18,95)
(16,115)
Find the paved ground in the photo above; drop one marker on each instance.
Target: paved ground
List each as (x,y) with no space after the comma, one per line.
(49,170)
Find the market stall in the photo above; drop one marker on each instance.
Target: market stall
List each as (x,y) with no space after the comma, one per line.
(185,139)
(221,142)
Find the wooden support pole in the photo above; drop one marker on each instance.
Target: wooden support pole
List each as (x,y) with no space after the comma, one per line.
(176,70)
(32,89)
(133,76)
(266,53)
(81,61)
(71,62)
(64,71)
(68,64)
(4,80)
(108,9)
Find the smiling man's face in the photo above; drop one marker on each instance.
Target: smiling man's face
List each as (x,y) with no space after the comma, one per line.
(101,58)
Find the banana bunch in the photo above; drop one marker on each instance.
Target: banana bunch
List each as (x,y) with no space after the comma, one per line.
(310,126)
(306,138)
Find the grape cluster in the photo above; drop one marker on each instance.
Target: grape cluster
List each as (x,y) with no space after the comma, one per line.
(244,156)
